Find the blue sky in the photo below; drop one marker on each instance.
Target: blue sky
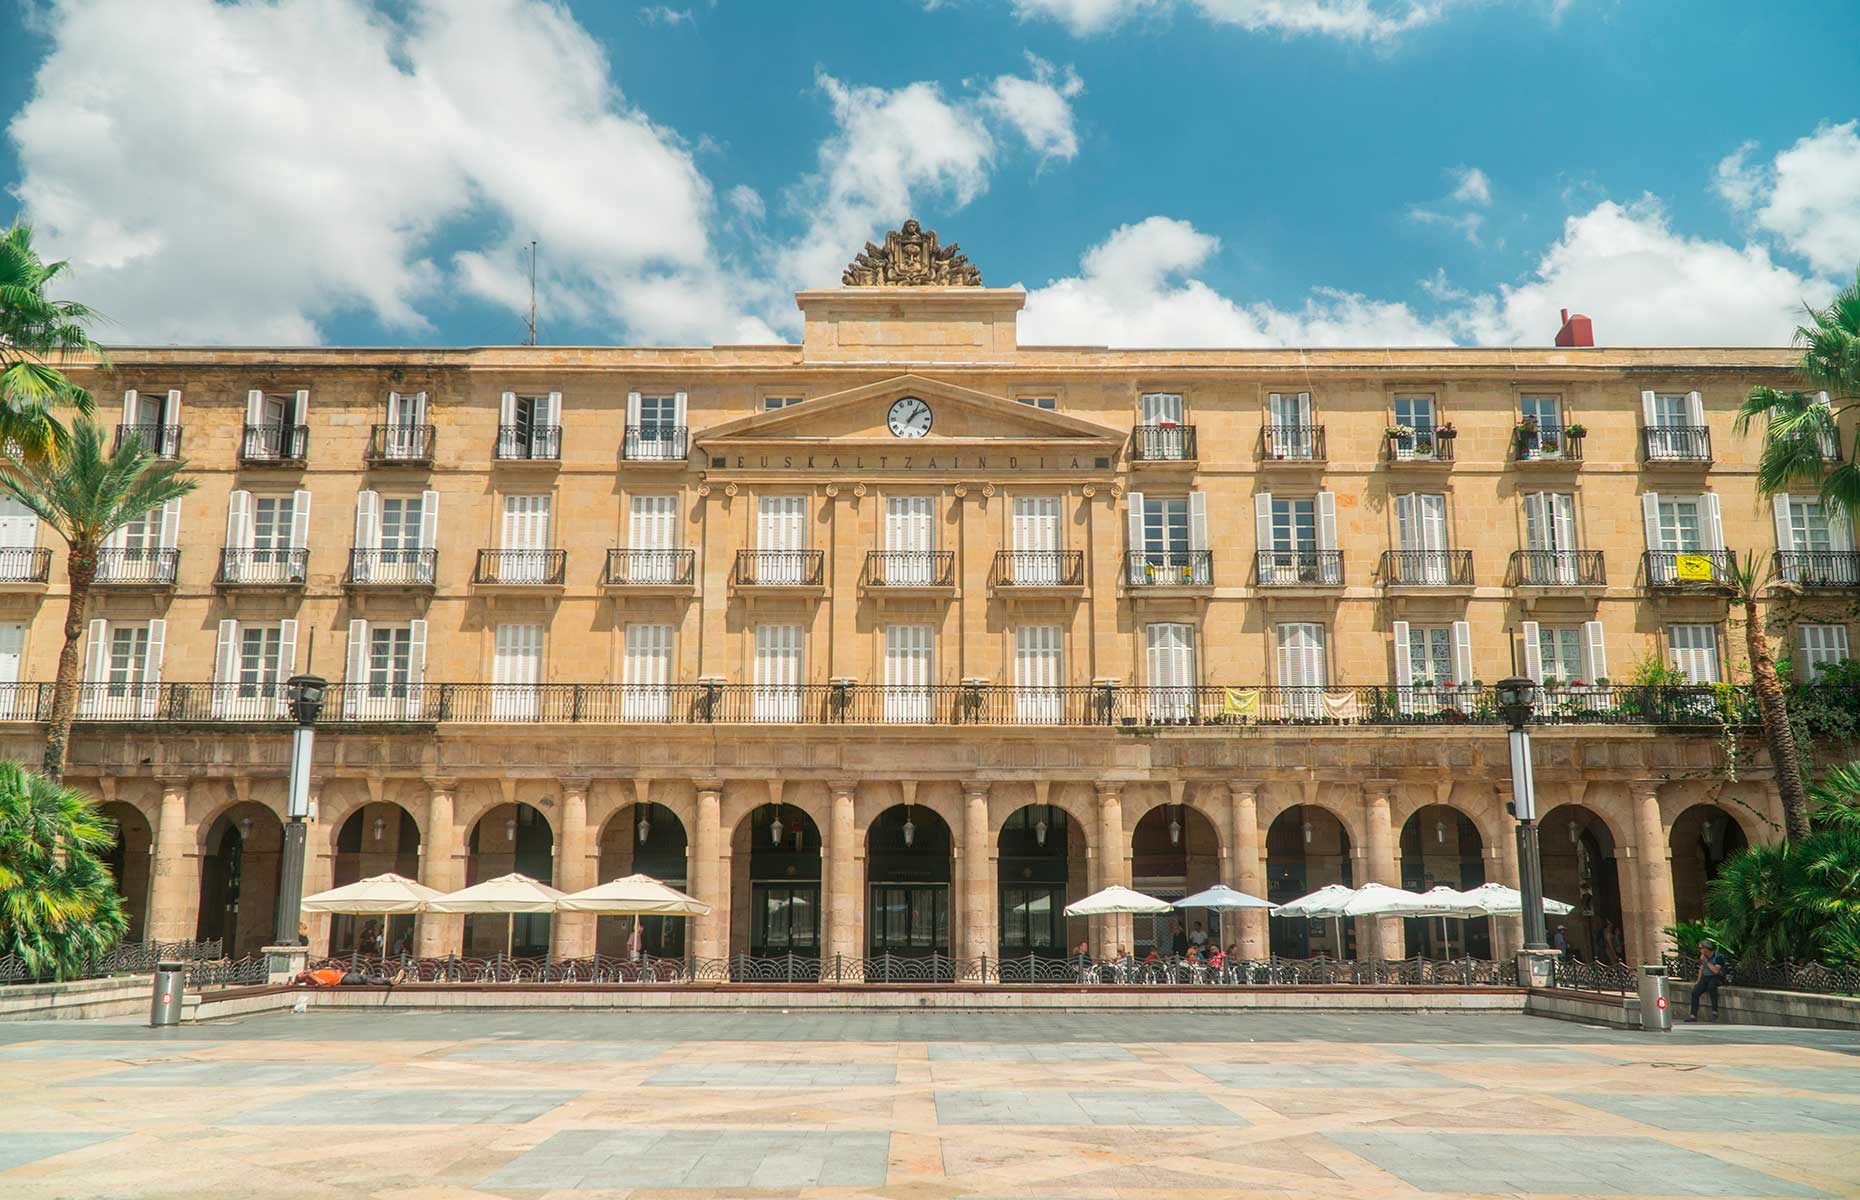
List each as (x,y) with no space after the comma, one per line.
(1155,172)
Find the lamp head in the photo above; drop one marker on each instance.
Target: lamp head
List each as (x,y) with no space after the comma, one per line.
(306,693)
(1517,698)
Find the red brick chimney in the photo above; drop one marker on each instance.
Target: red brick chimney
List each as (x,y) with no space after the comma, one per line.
(1576,331)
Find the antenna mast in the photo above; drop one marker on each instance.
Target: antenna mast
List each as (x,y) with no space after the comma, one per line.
(532,291)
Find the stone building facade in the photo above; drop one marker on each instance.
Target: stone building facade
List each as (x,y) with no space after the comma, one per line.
(900,638)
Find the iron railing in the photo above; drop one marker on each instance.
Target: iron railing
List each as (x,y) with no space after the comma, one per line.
(25,564)
(541,568)
(401,445)
(155,566)
(290,565)
(654,443)
(1702,570)
(534,442)
(126,958)
(391,568)
(1169,568)
(1834,569)
(163,441)
(1037,569)
(1299,568)
(250,971)
(1426,568)
(1557,568)
(275,444)
(1532,442)
(1676,443)
(1782,977)
(1576,975)
(909,569)
(1423,443)
(779,568)
(1163,443)
(644,568)
(850,703)
(1292,443)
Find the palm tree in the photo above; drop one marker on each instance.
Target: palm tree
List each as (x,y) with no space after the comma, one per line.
(59,907)
(1772,703)
(86,495)
(37,334)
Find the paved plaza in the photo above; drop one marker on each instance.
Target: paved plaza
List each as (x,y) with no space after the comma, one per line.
(925,1106)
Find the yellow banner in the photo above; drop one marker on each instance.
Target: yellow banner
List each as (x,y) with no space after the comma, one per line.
(1695,568)
(1238,703)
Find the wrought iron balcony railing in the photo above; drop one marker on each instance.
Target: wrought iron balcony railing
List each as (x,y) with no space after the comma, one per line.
(274,444)
(779,568)
(1676,443)
(650,568)
(393,568)
(1531,442)
(654,443)
(1292,443)
(401,445)
(154,567)
(1421,444)
(1683,570)
(1426,568)
(244,567)
(537,568)
(163,441)
(518,443)
(909,569)
(1038,569)
(880,704)
(1300,568)
(1557,568)
(1169,568)
(1836,570)
(1163,443)
(25,564)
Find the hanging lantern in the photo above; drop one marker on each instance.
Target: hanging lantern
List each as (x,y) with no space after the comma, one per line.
(1039,831)
(1175,830)
(797,840)
(510,829)
(775,828)
(380,828)
(644,828)
(1574,833)
(910,830)
(245,827)
(1440,833)
(1307,829)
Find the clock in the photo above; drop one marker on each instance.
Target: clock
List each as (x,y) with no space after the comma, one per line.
(910,418)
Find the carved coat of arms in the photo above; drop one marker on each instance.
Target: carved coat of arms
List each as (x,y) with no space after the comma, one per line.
(911,257)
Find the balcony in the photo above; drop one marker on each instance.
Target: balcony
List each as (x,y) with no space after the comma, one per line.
(1549,444)
(390,569)
(1033,572)
(274,445)
(1162,443)
(1426,569)
(1710,571)
(1298,569)
(163,441)
(157,567)
(1160,570)
(919,572)
(286,568)
(401,446)
(1557,569)
(654,443)
(1676,444)
(1420,445)
(641,572)
(25,567)
(779,570)
(531,443)
(1819,570)
(520,570)
(1291,444)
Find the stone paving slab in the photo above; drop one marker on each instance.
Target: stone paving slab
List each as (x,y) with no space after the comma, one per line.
(566,1052)
(129,1051)
(18,1149)
(1054,1107)
(1505,1055)
(774,1075)
(408,1106)
(222,1073)
(723,1158)
(1324,1075)
(1558,1165)
(1806,1079)
(989,1052)
(1721,1113)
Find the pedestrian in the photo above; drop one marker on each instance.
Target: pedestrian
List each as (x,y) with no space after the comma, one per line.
(1712,969)
(303,933)
(1559,941)
(634,940)
(1199,938)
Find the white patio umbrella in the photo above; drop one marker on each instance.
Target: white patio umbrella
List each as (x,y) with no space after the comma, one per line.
(634,896)
(1380,900)
(1325,903)
(508,894)
(1221,899)
(1116,899)
(1497,900)
(376,895)
(1443,902)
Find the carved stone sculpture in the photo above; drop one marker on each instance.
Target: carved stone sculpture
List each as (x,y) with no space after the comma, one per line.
(911,257)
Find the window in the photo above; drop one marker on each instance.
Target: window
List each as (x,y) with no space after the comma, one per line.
(1430,655)
(1415,413)
(516,670)
(1294,523)
(1292,531)
(910,539)
(1550,536)
(12,653)
(1671,410)
(1559,649)
(1675,425)
(1694,651)
(153,417)
(525,545)
(1047,403)
(261,666)
(1290,434)
(141,535)
(647,694)
(400,523)
(1542,417)
(394,536)
(777,695)
(251,663)
(1429,659)
(529,427)
(1168,540)
(19,537)
(1679,525)
(1038,540)
(1816,544)
(1822,646)
(773,403)
(1161,435)
(1172,679)
(652,541)
(781,539)
(787,917)
(128,656)
(1038,674)
(1302,667)
(1160,408)
(122,671)
(386,671)
(909,650)
(1421,530)
(1165,527)
(390,659)
(655,426)
(1031,918)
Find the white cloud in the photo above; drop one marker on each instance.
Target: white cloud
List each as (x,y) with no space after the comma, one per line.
(1807,197)
(665,15)
(1039,108)
(1474,187)
(1083,17)
(1346,20)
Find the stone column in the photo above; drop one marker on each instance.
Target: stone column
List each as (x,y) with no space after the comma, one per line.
(174,914)
(574,932)
(1507,932)
(843,902)
(1114,869)
(1379,858)
(1249,869)
(441,934)
(707,939)
(979,922)
(1654,860)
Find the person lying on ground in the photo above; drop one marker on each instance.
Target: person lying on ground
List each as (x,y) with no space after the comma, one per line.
(337,977)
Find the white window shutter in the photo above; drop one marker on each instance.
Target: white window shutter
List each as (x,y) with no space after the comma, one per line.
(225,666)
(171,412)
(129,407)
(1695,408)
(429,520)
(1407,528)
(239,520)
(171,524)
(1404,666)
(1536,527)
(302,416)
(151,668)
(1262,519)
(1197,523)
(416,667)
(255,407)
(1133,502)
(287,648)
(1650,517)
(355,676)
(1533,651)
(552,411)
(300,519)
(678,400)
(1595,652)
(632,410)
(367,520)
(1462,653)
(419,409)
(1785,533)
(1840,531)
(507,409)
(96,662)
(1714,523)
(1649,411)
(1327,521)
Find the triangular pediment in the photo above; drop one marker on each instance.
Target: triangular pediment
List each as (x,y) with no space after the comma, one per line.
(961,416)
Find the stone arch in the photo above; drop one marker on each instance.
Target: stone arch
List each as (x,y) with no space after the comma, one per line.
(777,870)
(1441,845)
(1175,851)
(131,858)
(340,799)
(874,798)
(240,864)
(373,839)
(1209,800)
(647,838)
(1076,802)
(1702,837)
(1676,800)
(1307,847)
(1042,865)
(1343,803)
(1579,850)
(909,871)
(501,839)
(476,800)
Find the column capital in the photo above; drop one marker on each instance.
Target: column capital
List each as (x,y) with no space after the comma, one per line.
(1645,789)
(575,785)
(1108,790)
(1248,792)
(712,785)
(1378,789)
(977,789)
(843,787)
(448,784)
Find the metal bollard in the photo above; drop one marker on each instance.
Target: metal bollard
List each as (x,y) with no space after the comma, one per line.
(1654,1013)
(165,999)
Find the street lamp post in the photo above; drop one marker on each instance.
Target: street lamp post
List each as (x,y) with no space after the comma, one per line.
(1516,700)
(305,693)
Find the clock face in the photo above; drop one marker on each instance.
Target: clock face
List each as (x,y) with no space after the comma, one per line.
(910,418)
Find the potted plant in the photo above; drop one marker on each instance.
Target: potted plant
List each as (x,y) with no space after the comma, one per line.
(1577,430)
(1399,431)
(1447,431)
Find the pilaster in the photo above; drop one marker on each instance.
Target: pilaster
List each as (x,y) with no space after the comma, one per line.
(708,937)
(1383,867)
(843,901)
(1113,931)
(979,922)
(441,934)
(175,914)
(1654,880)
(1249,868)
(574,872)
